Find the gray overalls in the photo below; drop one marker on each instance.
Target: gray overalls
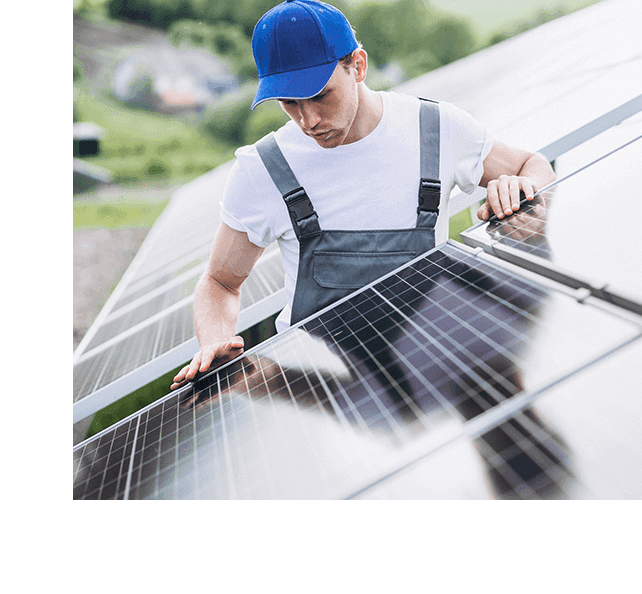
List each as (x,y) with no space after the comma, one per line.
(334,263)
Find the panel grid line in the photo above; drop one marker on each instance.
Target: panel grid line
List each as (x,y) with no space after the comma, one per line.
(131,463)
(402,369)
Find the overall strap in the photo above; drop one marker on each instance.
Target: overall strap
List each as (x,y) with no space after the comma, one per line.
(304,219)
(429,185)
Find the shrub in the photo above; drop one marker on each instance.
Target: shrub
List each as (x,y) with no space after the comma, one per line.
(157,13)
(76,110)
(391,30)
(78,70)
(418,63)
(224,40)
(451,39)
(266,118)
(78,76)
(226,118)
(156,169)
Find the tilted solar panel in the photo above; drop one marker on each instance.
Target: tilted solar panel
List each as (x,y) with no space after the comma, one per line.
(537,236)
(538,86)
(544,89)
(177,246)
(185,263)
(128,317)
(450,349)
(146,328)
(141,352)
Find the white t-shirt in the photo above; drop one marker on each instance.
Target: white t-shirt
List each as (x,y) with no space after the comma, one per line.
(369,184)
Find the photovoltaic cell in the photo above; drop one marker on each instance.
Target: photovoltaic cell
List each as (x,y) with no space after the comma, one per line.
(448,348)
(97,370)
(169,259)
(110,458)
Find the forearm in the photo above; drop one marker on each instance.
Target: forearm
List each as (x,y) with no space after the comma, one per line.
(216,311)
(538,170)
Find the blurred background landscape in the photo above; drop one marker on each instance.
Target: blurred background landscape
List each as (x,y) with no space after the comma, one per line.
(162,90)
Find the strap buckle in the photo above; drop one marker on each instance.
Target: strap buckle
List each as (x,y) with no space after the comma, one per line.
(298,204)
(429,195)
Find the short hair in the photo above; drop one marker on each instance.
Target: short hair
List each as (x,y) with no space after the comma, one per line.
(349,58)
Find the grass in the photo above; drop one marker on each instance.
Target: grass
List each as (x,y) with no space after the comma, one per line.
(140,145)
(458,223)
(118,215)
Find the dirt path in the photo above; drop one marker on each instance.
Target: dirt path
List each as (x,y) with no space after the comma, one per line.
(101,256)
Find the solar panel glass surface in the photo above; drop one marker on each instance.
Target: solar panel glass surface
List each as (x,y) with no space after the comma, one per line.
(121,365)
(146,328)
(448,348)
(572,79)
(542,84)
(574,231)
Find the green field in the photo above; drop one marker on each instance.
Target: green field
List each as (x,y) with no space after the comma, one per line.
(89,215)
(140,144)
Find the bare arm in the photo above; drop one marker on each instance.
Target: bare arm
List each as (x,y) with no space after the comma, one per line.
(217,302)
(507,172)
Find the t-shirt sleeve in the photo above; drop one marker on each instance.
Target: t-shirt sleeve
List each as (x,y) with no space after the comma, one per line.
(244,209)
(471,143)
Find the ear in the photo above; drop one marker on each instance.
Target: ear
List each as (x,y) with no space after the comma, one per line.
(360,62)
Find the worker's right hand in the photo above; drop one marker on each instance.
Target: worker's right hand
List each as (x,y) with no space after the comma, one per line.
(208,357)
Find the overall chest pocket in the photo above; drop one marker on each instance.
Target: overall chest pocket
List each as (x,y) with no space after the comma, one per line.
(353,270)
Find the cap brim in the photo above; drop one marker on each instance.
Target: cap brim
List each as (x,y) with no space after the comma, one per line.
(298,84)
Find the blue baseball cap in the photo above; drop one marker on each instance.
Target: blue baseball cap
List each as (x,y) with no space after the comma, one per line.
(296,46)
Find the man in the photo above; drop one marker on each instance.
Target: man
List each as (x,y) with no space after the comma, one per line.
(337,186)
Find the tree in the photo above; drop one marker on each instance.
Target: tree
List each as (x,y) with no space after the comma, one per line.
(393,30)
(451,39)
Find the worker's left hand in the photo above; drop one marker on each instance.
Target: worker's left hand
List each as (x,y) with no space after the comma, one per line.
(503,196)
(243,372)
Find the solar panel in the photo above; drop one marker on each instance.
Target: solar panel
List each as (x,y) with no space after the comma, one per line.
(129,316)
(145,330)
(177,245)
(266,279)
(582,439)
(540,89)
(444,351)
(184,267)
(537,236)
(440,407)
(533,89)
(142,352)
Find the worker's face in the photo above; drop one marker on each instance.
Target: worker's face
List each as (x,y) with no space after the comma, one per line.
(329,116)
